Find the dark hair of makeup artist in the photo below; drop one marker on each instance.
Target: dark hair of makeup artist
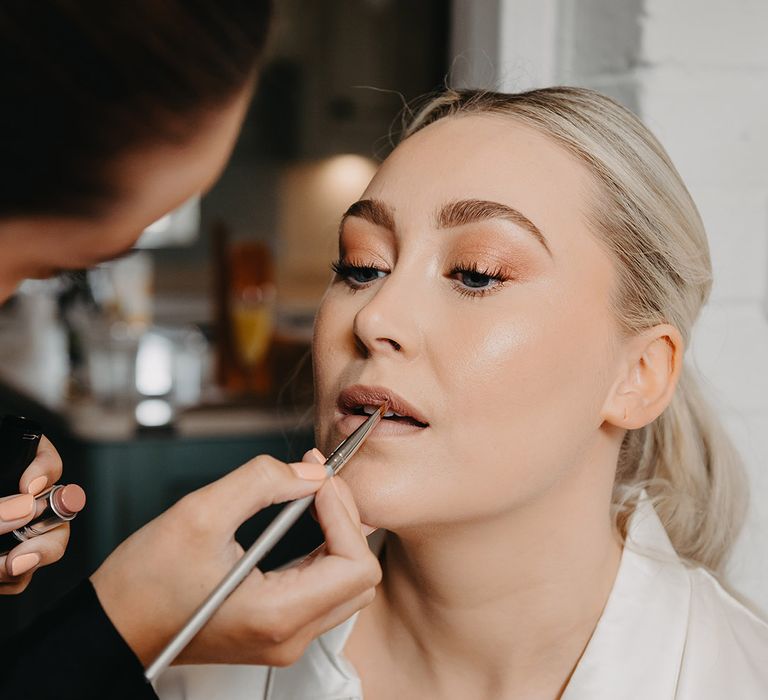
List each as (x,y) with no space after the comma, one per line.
(84,81)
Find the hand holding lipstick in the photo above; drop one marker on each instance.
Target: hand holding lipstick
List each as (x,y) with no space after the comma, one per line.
(18,566)
(153,581)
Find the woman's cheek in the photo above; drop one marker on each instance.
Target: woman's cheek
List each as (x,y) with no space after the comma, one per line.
(500,349)
(512,377)
(331,336)
(323,337)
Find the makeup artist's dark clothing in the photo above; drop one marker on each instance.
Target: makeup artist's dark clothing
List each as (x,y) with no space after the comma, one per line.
(72,652)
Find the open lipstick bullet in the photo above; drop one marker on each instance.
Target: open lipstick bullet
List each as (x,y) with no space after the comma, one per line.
(58,505)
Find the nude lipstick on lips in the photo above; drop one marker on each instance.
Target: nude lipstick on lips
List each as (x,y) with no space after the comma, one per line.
(356,403)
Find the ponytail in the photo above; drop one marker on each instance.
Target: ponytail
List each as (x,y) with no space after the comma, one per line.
(692,473)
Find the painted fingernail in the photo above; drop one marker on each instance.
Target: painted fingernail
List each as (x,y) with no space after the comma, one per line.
(17,507)
(23,563)
(37,485)
(317,455)
(367,529)
(309,470)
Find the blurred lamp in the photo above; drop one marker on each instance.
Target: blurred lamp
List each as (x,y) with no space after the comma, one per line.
(154,365)
(153,413)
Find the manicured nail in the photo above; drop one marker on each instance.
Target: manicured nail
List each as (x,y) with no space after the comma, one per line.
(17,507)
(37,485)
(23,563)
(367,529)
(309,470)
(318,456)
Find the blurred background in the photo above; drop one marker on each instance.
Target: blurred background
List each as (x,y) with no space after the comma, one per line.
(161,371)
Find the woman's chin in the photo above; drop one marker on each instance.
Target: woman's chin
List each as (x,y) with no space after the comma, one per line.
(388,493)
(379,512)
(388,513)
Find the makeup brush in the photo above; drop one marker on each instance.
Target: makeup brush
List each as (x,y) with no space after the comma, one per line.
(274,532)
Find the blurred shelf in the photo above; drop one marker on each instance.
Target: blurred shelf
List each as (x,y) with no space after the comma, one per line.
(92,422)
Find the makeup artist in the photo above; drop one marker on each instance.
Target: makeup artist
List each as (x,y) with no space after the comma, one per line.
(113,114)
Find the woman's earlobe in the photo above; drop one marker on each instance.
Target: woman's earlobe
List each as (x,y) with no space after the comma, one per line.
(645,391)
(624,410)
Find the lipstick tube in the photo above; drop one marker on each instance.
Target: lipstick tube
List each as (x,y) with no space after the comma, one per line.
(57,505)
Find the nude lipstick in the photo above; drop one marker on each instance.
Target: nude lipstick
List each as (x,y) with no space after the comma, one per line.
(356,403)
(56,506)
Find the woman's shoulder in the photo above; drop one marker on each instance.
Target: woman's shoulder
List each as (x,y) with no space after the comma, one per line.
(726,648)
(715,601)
(670,630)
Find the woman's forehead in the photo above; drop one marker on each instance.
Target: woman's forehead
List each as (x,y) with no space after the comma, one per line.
(489,158)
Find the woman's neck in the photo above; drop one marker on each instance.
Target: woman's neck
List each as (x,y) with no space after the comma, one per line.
(503,607)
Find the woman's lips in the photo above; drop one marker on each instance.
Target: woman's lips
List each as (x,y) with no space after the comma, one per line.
(353,399)
(347,423)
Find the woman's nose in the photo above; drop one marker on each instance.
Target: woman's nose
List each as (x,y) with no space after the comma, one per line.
(386,324)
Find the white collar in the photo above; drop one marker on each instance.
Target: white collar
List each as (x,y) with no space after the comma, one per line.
(626,656)
(637,647)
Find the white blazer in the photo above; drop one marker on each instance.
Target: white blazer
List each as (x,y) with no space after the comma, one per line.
(667,631)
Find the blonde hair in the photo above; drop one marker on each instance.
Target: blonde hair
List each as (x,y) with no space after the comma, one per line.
(648,222)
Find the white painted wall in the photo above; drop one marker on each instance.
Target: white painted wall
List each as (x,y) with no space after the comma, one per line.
(697,73)
(704,90)
(504,44)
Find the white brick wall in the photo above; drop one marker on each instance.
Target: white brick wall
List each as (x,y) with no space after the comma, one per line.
(697,73)
(703,88)
(706,34)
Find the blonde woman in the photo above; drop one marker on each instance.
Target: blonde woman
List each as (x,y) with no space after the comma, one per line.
(520,279)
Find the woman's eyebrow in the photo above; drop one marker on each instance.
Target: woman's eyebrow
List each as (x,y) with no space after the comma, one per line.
(373,211)
(470,211)
(456,213)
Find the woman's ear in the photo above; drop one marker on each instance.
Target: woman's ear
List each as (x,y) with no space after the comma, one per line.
(649,374)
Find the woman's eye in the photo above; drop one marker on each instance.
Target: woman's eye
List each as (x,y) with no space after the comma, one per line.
(469,279)
(355,274)
(473,281)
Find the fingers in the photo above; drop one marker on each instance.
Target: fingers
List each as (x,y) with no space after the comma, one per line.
(44,471)
(22,566)
(339,520)
(270,617)
(16,511)
(290,649)
(287,609)
(36,552)
(313,455)
(341,570)
(17,567)
(257,484)
(16,586)
(351,506)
